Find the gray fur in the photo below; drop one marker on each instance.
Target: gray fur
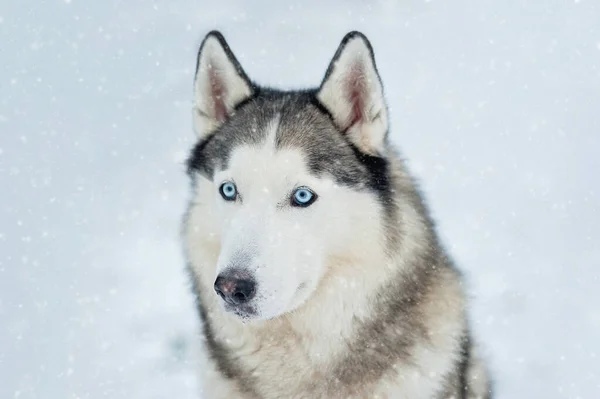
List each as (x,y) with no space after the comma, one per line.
(397,325)
(303,124)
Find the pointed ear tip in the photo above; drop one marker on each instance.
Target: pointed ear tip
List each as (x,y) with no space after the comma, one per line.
(353,34)
(215,34)
(356,41)
(214,37)
(356,35)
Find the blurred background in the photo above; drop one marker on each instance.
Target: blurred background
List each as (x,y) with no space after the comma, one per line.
(496,105)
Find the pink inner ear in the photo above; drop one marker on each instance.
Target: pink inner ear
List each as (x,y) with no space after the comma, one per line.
(355,91)
(217,93)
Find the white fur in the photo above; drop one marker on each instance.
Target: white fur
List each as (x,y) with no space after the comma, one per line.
(354,79)
(342,262)
(336,249)
(216,70)
(284,247)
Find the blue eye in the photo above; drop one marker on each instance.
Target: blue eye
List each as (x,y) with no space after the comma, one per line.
(228,191)
(303,197)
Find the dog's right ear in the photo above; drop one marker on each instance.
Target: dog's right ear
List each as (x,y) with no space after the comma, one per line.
(219,85)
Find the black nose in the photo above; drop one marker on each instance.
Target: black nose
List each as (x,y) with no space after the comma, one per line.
(235,289)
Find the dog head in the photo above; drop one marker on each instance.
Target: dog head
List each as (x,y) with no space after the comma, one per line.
(285,182)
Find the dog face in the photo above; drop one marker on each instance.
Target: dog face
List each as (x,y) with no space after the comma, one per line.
(285,181)
(275,230)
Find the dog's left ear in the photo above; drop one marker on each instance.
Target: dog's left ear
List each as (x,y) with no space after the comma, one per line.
(220,84)
(352,93)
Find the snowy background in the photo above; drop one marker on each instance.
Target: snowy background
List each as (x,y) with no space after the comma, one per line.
(495,103)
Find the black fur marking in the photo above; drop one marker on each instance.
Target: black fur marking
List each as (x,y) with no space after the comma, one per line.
(314,101)
(379,176)
(377,167)
(196,161)
(215,148)
(463,366)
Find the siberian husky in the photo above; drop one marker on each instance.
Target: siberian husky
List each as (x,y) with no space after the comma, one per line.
(317,268)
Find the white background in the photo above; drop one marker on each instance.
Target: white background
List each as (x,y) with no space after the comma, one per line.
(496,104)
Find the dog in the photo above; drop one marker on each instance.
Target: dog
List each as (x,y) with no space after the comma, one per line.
(317,269)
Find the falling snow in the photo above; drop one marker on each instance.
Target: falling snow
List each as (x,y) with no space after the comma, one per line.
(495,105)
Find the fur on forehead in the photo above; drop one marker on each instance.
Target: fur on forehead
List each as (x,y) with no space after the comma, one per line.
(302,124)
